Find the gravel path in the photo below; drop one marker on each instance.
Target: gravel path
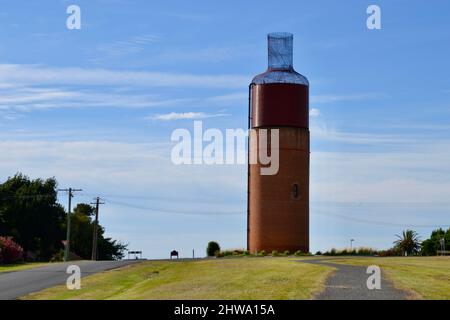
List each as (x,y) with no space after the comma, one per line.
(350,283)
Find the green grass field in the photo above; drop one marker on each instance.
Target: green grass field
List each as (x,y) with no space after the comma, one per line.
(425,277)
(21,266)
(250,278)
(240,278)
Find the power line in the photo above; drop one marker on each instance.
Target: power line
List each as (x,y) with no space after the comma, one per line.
(167,198)
(160,210)
(376,204)
(393,204)
(349,204)
(343,217)
(382,223)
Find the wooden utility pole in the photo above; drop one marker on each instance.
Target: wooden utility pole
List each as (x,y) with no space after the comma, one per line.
(69,211)
(95,232)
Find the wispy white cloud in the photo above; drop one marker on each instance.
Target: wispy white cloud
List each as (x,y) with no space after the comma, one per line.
(17,99)
(121,48)
(119,168)
(313,112)
(30,87)
(24,96)
(24,99)
(398,165)
(381,176)
(42,75)
(325,133)
(185,115)
(419,126)
(122,168)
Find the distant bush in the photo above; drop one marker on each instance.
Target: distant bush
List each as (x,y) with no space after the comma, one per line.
(238,252)
(228,253)
(262,253)
(332,252)
(286,253)
(275,253)
(362,251)
(58,257)
(10,251)
(231,253)
(29,256)
(212,248)
(392,252)
(318,253)
(298,253)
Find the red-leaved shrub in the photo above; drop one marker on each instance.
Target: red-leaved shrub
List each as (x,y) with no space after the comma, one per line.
(10,252)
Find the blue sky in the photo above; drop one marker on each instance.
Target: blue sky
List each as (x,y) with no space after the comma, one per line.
(88,107)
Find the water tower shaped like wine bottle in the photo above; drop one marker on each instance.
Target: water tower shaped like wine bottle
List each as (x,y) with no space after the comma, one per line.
(278,205)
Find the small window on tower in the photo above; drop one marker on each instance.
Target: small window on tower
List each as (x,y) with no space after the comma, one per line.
(295,191)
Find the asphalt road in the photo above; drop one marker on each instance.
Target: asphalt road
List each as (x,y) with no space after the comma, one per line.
(350,283)
(19,283)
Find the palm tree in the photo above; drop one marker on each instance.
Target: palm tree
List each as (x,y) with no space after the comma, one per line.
(408,242)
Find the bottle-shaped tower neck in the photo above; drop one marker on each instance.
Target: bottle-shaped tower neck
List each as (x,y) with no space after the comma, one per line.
(280,51)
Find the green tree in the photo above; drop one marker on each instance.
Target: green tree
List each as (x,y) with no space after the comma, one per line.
(81,231)
(408,242)
(82,228)
(431,245)
(30,214)
(84,209)
(109,249)
(212,248)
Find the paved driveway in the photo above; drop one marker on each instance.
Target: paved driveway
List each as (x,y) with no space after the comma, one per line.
(19,283)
